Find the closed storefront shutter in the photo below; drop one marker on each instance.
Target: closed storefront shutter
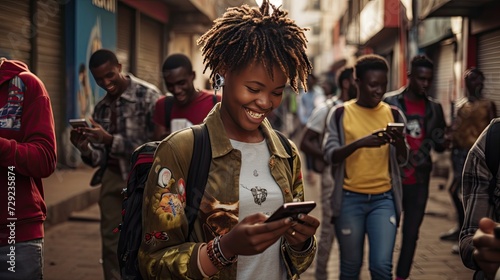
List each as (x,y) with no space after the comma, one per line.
(50,58)
(125,36)
(489,63)
(149,54)
(15,30)
(443,79)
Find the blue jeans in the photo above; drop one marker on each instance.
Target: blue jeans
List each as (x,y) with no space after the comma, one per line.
(25,262)
(374,215)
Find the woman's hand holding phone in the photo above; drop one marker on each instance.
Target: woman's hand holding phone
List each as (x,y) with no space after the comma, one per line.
(303,226)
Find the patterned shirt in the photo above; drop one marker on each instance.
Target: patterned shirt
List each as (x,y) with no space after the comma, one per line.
(134,126)
(475,183)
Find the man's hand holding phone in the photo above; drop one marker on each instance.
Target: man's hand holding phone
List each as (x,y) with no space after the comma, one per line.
(395,132)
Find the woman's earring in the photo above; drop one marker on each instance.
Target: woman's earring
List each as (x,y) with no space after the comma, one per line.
(219,82)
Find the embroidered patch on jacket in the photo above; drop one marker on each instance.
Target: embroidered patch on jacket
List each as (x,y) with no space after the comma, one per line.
(169,201)
(11,112)
(155,236)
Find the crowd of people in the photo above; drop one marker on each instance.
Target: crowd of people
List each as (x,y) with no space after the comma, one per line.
(344,125)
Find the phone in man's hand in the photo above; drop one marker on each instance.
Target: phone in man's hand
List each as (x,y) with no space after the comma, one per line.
(292,209)
(396,126)
(75,123)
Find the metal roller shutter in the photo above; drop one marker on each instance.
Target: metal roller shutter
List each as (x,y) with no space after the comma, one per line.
(443,79)
(15,29)
(50,58)
(125,30)
(489,63)
(149,53)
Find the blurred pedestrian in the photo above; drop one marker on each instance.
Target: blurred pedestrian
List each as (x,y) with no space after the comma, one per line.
(188,105)
(473,113)
(27,154)
(366,200)
(424,132)
(121,122)
(311,144)
(308,101)
(250,173)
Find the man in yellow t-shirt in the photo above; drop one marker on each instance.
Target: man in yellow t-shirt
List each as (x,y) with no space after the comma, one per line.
(365,160)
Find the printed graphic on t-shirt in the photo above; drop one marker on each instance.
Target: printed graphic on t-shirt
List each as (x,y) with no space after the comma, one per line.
(259,193)
(414,128)
(10,114)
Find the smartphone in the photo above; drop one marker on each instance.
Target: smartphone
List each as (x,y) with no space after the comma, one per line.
(292,209)
(75,123)
(396,126)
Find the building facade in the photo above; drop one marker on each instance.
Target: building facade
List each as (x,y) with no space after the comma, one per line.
(56,38)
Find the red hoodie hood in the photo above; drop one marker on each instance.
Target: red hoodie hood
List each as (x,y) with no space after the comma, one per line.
(11,68)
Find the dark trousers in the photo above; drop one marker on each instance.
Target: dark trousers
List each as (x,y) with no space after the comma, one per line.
(414,202)
(458,157)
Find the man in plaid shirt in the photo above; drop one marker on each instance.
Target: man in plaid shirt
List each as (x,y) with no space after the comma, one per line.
(122,121)
(479,248)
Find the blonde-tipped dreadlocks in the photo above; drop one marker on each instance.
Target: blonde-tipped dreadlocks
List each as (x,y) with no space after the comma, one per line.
(247,34)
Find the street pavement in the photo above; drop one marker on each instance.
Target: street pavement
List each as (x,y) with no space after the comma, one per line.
(72,246)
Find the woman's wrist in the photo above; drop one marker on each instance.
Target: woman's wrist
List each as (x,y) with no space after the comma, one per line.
(217,257)
(302,249)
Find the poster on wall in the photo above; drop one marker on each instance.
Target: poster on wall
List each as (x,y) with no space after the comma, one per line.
(90,25)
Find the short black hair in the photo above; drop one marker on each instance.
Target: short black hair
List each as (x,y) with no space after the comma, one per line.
(175,61)
(102,56)
(370,62)
(473,70)
(421,61)
(343,74)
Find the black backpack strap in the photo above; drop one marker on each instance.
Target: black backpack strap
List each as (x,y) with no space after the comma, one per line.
(288,147)
(169,102)
(338,112)
(395,113)
(492,154)
(198,173)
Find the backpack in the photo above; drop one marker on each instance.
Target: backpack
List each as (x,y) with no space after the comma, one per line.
(169,103)
(141,162)
(492,156)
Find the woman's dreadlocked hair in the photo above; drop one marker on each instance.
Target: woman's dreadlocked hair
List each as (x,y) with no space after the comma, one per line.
(248,34)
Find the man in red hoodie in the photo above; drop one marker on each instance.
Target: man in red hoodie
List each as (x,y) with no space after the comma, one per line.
(27,154)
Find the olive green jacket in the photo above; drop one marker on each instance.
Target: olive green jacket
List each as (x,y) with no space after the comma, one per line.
(164,251)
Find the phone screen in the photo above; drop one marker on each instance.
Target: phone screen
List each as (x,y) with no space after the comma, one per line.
(75,123)
(396,126)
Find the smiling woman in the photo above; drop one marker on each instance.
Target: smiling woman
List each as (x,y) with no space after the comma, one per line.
(256,51)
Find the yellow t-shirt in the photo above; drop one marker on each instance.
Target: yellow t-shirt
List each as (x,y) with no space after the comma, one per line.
(367,169)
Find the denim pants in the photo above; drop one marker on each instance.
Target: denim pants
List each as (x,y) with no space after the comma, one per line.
(414,203)
(26,260)
(372,215)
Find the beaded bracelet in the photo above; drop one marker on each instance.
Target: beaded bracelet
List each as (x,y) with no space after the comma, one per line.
(224,260)
(211,255)
(216,256)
